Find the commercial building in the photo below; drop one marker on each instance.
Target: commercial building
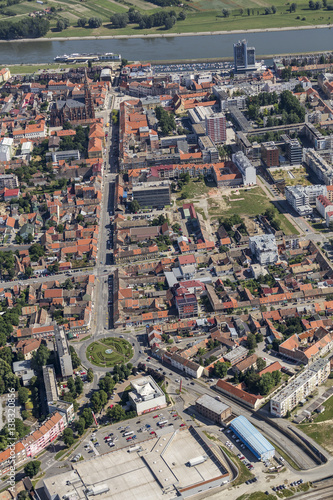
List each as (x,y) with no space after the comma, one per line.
(159,471)
(62,350)
(146,395)
(270,154)
(264,248)
(252,438)
(319,166)
(216,127)
(300,387)
(245,167)
(244,57)
(152,195)
(212,409)
(66,155)
(236,355)
(50,383)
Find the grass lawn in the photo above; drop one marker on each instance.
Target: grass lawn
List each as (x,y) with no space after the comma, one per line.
(192,190)
(322,426)
(257,495)
(121,352)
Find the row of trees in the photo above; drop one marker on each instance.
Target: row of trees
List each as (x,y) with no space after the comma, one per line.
(133,16)
(28,27)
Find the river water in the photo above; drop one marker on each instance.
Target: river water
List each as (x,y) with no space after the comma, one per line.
(185,47)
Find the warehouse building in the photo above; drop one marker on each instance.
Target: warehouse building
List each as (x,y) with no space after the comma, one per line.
(252,438)
(212,409)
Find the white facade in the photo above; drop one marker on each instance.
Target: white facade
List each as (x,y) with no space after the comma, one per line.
(299,388)
(323,205)
(245,167)
(301,197)
(146,395)
(4,153)
(264,248)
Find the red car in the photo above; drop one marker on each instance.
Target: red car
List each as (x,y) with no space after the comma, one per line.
(182,425)
(153,432)
(175,415)
(129,438)
(155,416)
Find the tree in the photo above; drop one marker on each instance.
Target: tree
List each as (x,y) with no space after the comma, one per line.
(23,395)
(221,369)
(116,414)
(261,363)
(23,495)
(41,356)
(80,426)
(318,5)
(68,437)
(88,417)
(166,120)
(32,468)
(119,20)
(225,13)
(78,385)
(90,375)
(251,342)
(82,22)
(134,206)
(71,384)
(182,15)
(311,5)
(95,22)
(273,8)
(169,22)
(293,7)
(62,24)
(75,358)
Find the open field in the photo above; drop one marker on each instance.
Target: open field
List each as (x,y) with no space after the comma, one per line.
(249,202)
(322,426)
(109,352)
(202,16)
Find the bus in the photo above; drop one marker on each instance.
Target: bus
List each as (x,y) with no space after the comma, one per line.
(162,422)
(129,433)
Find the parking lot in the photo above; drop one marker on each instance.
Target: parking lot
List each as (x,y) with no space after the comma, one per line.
(121,434)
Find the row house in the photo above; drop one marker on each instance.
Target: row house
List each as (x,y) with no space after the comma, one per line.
(186,366)
(12,457)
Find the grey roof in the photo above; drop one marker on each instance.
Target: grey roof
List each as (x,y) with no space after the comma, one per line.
(71,103)
(212,404)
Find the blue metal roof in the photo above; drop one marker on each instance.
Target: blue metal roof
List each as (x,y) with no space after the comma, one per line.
(251,436)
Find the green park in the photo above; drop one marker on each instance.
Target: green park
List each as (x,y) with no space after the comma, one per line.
(109,352)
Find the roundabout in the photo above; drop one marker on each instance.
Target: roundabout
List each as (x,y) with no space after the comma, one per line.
(108,352)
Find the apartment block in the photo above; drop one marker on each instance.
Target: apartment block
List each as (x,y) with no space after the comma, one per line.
(187,305)
(301,197)
(42,437)
(264,248)
(319,166)
(324,205)
(244,57)
(62,350)
(216,127)
(270,154)
(245,167)
(293,150)
(299,388)
(50,383)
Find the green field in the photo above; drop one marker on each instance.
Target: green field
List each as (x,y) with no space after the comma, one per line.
(322,426)
(202,16)
(250,202)
(122,352)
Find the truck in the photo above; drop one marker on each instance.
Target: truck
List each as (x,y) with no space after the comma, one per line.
(197,460)
(134,448)
(129,433)
(162,422)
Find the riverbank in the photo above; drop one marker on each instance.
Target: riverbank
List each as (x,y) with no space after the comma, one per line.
(170,35)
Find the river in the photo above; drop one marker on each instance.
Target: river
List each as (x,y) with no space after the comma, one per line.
(184,47)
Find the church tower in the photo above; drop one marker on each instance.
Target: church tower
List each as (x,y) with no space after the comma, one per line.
(88,101)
